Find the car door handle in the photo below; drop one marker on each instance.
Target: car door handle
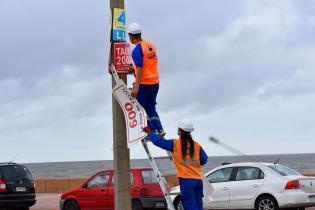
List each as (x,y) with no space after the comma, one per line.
(102,190)
(225,188)
(256,185)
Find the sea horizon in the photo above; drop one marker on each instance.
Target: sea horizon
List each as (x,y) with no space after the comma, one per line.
(302,162)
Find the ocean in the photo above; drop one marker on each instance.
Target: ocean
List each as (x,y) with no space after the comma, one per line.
(304,163)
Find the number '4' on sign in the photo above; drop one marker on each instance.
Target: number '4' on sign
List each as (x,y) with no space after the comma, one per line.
(122,18)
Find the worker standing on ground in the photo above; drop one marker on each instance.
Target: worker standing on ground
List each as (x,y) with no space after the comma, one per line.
(146,86)
(188,157)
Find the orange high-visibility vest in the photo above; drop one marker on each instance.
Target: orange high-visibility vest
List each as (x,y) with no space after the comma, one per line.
(190,167)
(150,73)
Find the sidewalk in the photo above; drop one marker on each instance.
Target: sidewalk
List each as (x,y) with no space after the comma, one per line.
(50,201)
(47,201)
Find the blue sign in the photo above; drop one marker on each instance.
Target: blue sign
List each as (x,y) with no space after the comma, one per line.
(119,35)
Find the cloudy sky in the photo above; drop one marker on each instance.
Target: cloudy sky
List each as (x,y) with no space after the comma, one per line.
(242,71)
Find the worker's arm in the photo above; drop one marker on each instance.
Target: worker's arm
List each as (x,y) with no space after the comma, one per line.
(203,157)
(137,56)
(138,79)
(161,142)
(137,82)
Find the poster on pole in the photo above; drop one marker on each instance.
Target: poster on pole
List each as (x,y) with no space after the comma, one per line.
(122,57)
(135,115)
(119,25)
(207,190)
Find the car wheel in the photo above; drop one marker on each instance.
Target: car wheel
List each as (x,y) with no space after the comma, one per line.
(136,205)
(266,203)
(178,203)
(71,205)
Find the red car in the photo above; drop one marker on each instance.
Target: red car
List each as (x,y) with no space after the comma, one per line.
(98,192)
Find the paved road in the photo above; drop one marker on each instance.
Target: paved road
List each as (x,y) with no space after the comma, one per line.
(47,201)
(50,201)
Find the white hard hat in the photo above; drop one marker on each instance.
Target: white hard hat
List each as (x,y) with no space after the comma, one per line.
(186,125)
(134,28)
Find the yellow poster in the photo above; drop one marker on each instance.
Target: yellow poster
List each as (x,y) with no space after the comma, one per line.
(119,24)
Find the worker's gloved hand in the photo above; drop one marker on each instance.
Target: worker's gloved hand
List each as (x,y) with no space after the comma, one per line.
(147,129)
(135,91)
(131,69)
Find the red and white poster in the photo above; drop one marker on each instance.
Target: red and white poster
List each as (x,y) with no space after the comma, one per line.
(135,115)
(122,57)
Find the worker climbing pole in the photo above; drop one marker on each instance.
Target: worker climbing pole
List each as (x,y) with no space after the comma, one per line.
(146,85)
(147,81)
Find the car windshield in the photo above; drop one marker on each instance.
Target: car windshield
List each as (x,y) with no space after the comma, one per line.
(149,177)
(283,170)
(15,172)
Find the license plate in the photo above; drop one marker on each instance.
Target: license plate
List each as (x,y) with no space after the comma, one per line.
(20,189)
(159,204)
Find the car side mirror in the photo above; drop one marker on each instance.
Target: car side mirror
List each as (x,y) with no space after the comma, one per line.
(84,185)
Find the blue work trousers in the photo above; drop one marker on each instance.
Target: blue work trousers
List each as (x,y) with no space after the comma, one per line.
(147,98)
(191,192)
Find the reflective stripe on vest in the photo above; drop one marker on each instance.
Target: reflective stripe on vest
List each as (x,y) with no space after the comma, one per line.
(150,73)
(190,167)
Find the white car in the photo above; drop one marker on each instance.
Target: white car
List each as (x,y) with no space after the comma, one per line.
(259,186)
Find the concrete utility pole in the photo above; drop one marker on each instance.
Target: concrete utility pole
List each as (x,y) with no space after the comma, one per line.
(121,151)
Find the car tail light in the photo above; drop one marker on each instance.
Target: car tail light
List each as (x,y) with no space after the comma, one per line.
(295,184)
(3,187)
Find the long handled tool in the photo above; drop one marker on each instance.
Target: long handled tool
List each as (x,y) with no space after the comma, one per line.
(230,148)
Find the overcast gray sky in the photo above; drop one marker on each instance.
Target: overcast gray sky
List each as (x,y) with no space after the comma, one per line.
(242,71)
